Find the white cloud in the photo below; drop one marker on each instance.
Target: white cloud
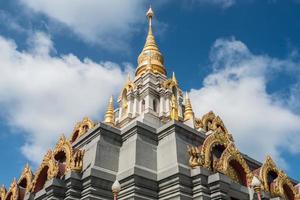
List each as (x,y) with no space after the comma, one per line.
(222,3)
(45,95)
(108,23)
(261,123)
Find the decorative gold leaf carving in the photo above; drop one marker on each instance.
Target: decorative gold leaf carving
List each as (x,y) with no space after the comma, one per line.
(28,176)
(13,192)
(81,128)
(77,160)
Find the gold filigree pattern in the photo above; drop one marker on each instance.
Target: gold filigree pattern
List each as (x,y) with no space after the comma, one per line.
(214,139)
(267,167)
(278,187)
(231,153)
(27,176)
(13,192)
(52,171)
(63,145)
(81,128)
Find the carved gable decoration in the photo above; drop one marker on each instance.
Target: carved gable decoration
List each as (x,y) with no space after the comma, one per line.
(202,156)
(64,146)
(283,187)
(268,166)
(2,192)
(13,192)
(52,170)
(26,177)
(238,172)
(216,138)
(81,128)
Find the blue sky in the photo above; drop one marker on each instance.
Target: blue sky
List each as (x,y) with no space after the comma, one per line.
(62,60)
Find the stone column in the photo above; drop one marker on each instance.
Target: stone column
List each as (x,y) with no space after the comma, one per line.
(55,189)
(73,185)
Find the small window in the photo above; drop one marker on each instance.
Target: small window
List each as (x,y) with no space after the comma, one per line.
(154,105)
(143,105)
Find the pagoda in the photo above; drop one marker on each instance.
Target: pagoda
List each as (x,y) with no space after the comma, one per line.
(151,146)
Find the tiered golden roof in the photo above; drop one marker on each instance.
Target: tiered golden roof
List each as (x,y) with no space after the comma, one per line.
(150,59)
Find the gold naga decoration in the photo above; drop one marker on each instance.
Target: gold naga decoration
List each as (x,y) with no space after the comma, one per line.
(109,115)
(13,192)
(81,128)
(174,108)
(52,171)
(231,153)
(27,176)
(2,192)
(64,145)
(219,136)
(77,161)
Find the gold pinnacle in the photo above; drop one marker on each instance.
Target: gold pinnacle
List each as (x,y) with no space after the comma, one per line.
(109,115)
(174,78)
(188,112)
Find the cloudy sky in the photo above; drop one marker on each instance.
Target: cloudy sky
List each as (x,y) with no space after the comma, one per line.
(61,60)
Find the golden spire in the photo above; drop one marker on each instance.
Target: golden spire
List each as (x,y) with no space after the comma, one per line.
(188,112)
(174,78)
(109,115)
(174,108)
(150,59)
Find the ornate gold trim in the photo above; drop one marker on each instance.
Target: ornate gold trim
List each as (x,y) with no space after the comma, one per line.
(2,192)
(64,145)
(49,162)
(26,174)
(13,191)
(81,128)
(268,165)
(229,154)
(216,138)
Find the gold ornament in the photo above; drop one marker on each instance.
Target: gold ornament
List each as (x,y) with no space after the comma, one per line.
(188,112)
(2,192)
(64,146)
(223,165)
(49,164)
(81,128)
(26,177)
(109,115)
(174,108)
(77,160)
(13,192)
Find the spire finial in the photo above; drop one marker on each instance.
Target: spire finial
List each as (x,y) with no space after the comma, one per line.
(150,14)
(109,115)
(188,112)
(174,78)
